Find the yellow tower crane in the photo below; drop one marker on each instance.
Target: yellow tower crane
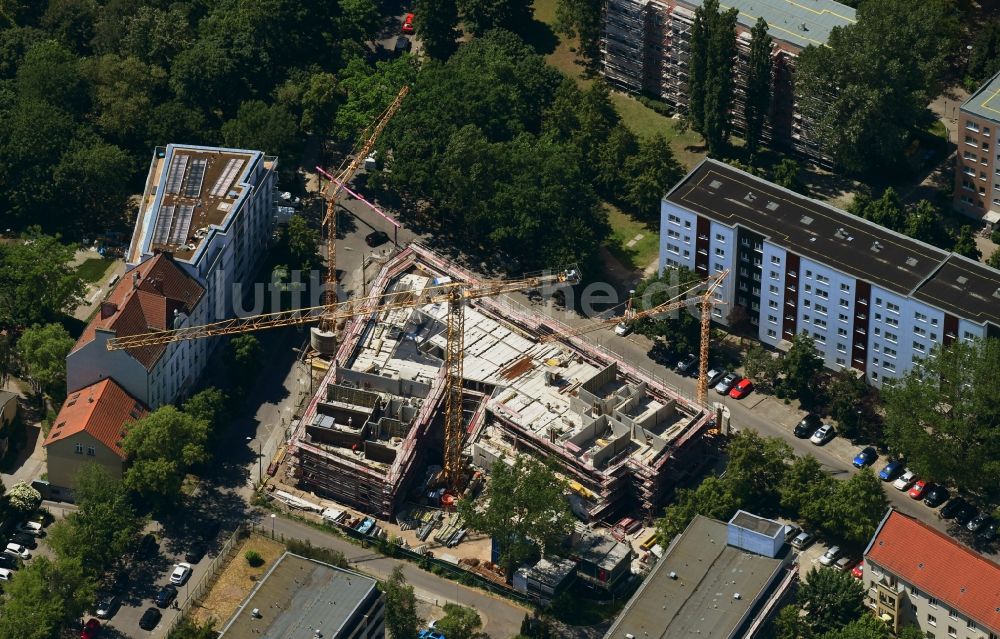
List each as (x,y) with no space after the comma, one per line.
(705,300)
(454,294)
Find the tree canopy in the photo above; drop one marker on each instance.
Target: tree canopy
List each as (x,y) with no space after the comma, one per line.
(161,448)
(37,285)
(46,598)
(401,617)
(42,351)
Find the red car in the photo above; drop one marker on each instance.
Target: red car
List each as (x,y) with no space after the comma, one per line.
(858,572)
(918,489)
(91,629)
(742,389)
(408,24)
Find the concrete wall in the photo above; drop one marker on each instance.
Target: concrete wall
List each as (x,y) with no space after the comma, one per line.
(67,456)
(368,381)
(94,362)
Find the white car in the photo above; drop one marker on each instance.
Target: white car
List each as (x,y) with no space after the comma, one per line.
(181,573)
(715,376)
(622,329)
(18,550)
(6,574)
(905,480)
(830,555)
(31,528)
(822,435)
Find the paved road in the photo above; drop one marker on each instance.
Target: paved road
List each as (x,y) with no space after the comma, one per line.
(501,618)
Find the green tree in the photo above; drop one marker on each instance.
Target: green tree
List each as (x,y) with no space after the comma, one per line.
(125,89)
(910,632)
(790,624)
(71,22)
(155,35)
(208,75)
(804,487)
(713,49)
(650,173)
(104,527)
(369,92)
(190,629)
(831,599)
(319,101)
(993,260)
(461,622)
(51,73)
(481,16)
(756,467)
(942,416)
(244,355)
(786,174)
(211,406)
(270,128)
(581,18)
(7,359)
(867,627)
(612,155)
(46,599)
(161,448)
(699,71)
(682,331)
(523,507)
(984,60)
(761,367)
(436,23)
(886,211)
(401,617)
(42,351)
(359,20)
(965,244)
(856,507)
(37,285)
(23,499)
(714,498)
(302,244)
(89,177)
(923,223)
(801,365)
(758,100)
(849,398)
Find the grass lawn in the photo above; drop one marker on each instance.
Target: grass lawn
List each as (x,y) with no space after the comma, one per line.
(93,268)
(623,230)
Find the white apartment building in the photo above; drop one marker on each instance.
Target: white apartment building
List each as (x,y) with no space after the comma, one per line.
(872,299)
(213,210)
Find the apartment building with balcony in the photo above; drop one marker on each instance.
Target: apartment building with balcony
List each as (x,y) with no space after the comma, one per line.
(917,576)
(872,300)
(645,48)
(977,160)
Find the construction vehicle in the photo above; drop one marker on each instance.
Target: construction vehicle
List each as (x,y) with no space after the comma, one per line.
(324,337)
(454,294)
(706,300)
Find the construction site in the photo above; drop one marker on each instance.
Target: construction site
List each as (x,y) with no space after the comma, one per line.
(373,436)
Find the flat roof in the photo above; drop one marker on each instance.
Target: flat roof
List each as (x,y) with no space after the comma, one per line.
(749,521)
(700,600)
(985,102)
(850,244)
(799,22)
(299,595)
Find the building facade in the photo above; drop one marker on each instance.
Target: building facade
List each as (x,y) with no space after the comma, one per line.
(872,300)
(977,160)
(155,295)
(89,429)
(213,210)
(646,48)
(917,576)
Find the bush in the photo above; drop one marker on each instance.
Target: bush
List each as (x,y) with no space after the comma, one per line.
(254,559)
(326,555)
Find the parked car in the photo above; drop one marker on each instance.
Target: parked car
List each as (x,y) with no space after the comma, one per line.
(803,540)
(715,376)
(830,555)
(407,28)
(866,457)
(687,365)
(31,528)
(402,45)
(8,561)
(91,629)
(977,522)
(195,552)
(891,470)
(858,572)
(660,353)
(791,531)
(28,541)
(150,618)
(743,388)
(726,383)
(430,634)
(107,607)
(147,547)
(165,595)
(936,495)
(988,532)
(623,328)
(824,434)
(845,563)
(6,574)
(904,481)
(19,550)
(376,238)
(966,514)
(809,425)
(181,573)
(918,489)
(952,508)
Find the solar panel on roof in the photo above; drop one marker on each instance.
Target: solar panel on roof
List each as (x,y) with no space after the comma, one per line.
(175,176)
(163,222)
(182,224)
(195,177)
(233,167)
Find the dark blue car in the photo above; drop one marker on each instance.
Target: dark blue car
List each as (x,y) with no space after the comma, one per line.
(891,470)
(866,457)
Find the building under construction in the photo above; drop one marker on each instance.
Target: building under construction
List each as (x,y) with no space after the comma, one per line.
(621,439)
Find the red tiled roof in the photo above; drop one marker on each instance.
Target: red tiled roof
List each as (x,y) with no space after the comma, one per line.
(162,288)
(939,566)
(101,409)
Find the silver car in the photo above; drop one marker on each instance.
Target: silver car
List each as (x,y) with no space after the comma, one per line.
(727,383)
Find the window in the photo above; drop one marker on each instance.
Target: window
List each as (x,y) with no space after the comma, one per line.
(892,337)
(920,316)
(931,601)
(718,267)
(890,352)
(972,126)
(919,331)
(844,303)
(934,321)
(673,218)
(771,333)
(952,632)
(822,293)
(822,279)
(892,307)
(931,620)
(773,289)
(845,287)
(892,321)
(819,322)
(953,615)
(772,304)
(917,346)
(809,288)
(775,259)
(842,332)
(821,309)
(842,317)
(720,252)
(809,273)
(841,347)
(819,338)
(772,319)
(806,303)
(674,234)
(971,624)
(720,237)
(91,451)
(774,275)
(687,224)
(79,449)
(878,301)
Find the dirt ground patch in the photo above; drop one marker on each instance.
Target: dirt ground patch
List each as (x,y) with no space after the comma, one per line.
(237,580)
